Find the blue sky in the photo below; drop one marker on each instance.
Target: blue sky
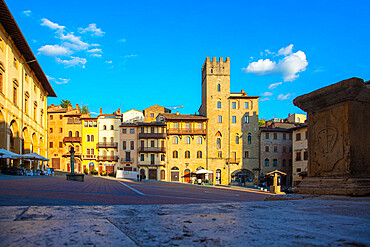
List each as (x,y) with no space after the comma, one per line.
(134,54)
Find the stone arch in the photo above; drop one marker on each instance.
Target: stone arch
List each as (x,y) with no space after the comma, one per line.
(242,174)
(26,143)
(35,145)
(15,144)
(3,131)
(219,134)
(42,146)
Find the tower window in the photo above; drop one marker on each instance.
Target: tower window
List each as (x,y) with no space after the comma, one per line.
(219,104)
(233,105)
(246,105)
(211,71)
(233,119)
(220,119)
(218,87)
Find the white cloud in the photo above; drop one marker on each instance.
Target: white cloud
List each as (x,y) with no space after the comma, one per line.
(92,29)
(27,12)
(59,81)
(95,55)
(266,94)
(76,42)
(52,25)
(269,52)
(283,97)
(261,67)
(53,50)
(108,61)
(94,113)
(95,50)
(75,61)
(131,55)
(274,85)
(291,65)
(286,50)
(122,40)
(264,99)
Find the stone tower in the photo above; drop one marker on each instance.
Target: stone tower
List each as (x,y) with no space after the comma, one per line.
(232,117)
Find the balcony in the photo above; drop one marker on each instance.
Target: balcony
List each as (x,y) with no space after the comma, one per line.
(152,150)
(89,156)
(127,160)
(74,121)
(187,131)
(233,160)
(72,139)
(68,154)
(107,158)
(152,135)
(107,145)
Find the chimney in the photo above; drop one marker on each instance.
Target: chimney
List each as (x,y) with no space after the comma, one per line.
(77,106)
(289,115)
(242,91)
(177,113)
(101,111)
(119,111)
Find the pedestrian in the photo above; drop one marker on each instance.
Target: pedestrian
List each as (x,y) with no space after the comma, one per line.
(144,178)
(137,177)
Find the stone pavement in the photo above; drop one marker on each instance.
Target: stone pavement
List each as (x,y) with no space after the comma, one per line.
(312,221)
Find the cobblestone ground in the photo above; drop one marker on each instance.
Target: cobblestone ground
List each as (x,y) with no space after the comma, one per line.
(312,221)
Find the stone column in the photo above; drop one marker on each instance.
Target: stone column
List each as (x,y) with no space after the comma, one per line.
(338,139)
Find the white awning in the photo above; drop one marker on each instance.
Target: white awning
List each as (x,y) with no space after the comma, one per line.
(34,156)
(203,171)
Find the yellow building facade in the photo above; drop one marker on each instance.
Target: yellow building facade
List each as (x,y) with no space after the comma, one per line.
(90,139)
(24,89)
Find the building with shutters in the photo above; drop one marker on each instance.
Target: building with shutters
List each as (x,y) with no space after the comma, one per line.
(65,131)
(108,144)
(24,89)
(90,138)
(185,145)
(128,153)
(300,153)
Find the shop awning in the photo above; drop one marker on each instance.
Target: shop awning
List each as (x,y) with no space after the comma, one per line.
(5,154)
(203,171)
(34,156)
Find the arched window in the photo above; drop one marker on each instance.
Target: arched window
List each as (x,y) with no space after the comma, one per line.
(77,134)
(266,162)
(111,153)
(77,148)
(284,162)
(219,104)
(274,162)
(237,139)
(199,140)
(111,139)
(92,138)
(246,119)
(175,154)
(104,127)
(218,143)
(175,140)
(87,138)
(111,127)
(249,138)
(199,154)
(187,140)
(187,154)
(218,87)
(104,139)
(70,133)
(104,153)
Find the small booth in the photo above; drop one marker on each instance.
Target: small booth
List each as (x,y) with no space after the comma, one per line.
(276,185)
(203,177)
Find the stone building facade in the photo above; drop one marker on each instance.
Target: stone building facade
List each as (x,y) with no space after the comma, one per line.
(232,132)
(300,153)
(276,149)
(65,131)
(185,145)
(128,153)
(24,89)
(152,112)
(108,144)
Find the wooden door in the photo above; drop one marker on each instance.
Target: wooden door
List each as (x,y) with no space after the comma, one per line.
(110,170)
(153,174)
(163,175)
(187,176)
(55,163)
(100,169)
(175,176)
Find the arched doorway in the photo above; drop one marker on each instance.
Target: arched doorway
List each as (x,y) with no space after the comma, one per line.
(163,175)
(142,174)
(243,175)
(187,176)
(3,130)
(175,174)
(14,138)
(218,176)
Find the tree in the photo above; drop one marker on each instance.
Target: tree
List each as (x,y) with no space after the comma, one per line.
(261,122)
(85,109)
(65,103)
